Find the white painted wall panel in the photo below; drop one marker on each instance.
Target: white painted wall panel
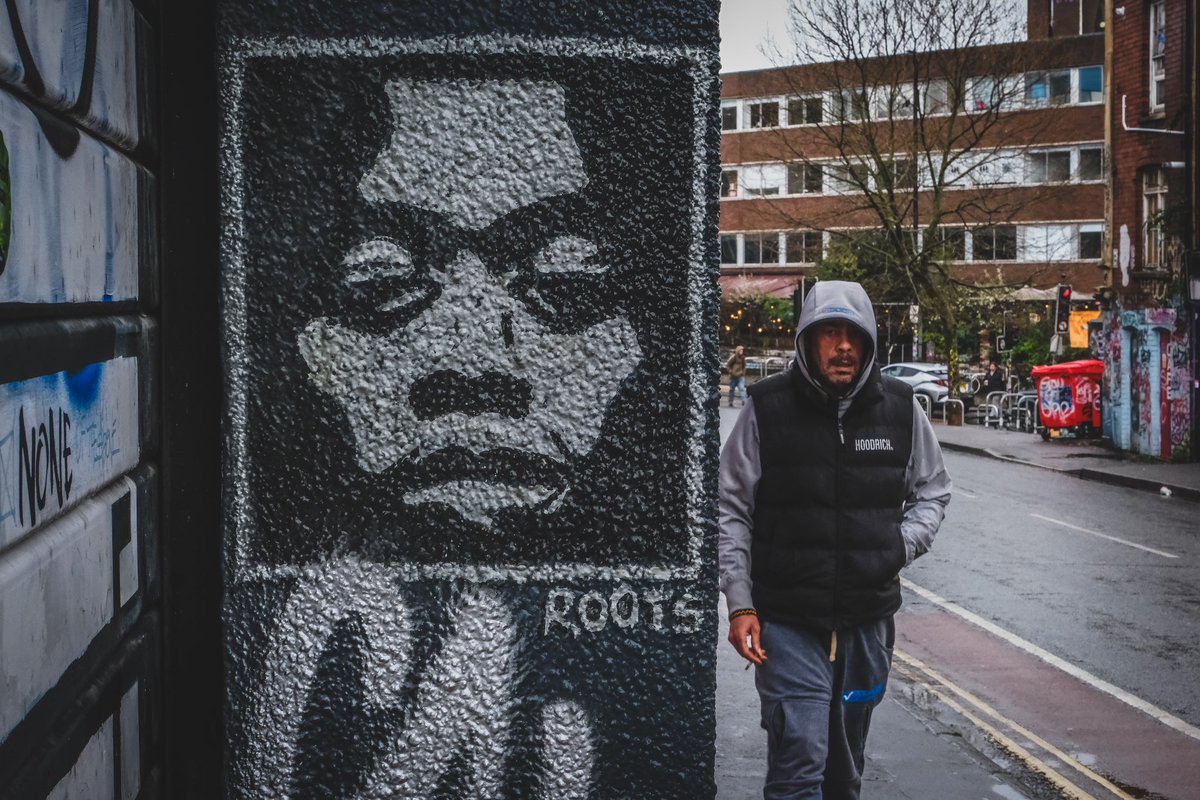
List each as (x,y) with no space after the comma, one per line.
(56,594)
(57,33)
(94,413)
(75,222)
(92,776)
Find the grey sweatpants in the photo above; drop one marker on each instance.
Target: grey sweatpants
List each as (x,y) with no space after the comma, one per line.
(817,712)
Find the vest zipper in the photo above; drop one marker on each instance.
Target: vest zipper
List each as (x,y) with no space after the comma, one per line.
(837,505)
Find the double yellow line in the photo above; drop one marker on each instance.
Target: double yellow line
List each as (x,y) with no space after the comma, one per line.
(978,713)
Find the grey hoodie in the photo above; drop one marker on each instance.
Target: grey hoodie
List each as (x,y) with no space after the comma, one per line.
(927,483)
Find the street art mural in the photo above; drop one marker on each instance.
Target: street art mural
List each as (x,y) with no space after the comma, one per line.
(470,469)
(78,490)
(1146,381)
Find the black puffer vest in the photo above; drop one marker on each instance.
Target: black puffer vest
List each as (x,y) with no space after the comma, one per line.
(826,547)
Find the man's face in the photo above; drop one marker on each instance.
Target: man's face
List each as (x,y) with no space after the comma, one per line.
(837,348)
(739,349)
(458,355)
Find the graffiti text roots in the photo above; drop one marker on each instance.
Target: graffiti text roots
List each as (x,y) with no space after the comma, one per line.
(44,463)
(594,611)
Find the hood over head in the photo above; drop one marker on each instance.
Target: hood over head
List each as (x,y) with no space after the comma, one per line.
(836,300)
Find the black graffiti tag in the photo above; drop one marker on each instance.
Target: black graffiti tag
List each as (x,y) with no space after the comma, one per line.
(44,463)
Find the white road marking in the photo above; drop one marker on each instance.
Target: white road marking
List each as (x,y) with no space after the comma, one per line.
(1166,718)
(1125,542)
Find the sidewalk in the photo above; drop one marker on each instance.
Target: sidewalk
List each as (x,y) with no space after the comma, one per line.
(1087,459)
(910,754)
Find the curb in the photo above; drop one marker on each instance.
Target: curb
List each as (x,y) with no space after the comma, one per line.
(983,451)
(1128,481)
(1084,473)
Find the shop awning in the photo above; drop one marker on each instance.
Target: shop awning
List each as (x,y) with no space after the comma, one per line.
(732,285)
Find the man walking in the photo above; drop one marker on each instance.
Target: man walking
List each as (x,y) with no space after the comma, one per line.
(736,366)
(831,482)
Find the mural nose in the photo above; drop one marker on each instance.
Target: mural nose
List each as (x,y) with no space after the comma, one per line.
(448,390)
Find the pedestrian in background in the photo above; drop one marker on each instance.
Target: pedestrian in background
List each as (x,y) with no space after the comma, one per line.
(993,379)
(831,481)
(736,367)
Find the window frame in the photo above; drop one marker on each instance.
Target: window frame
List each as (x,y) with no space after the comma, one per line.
(756,110)
(804,103)
(985,232)
(805,180)
(1157,58)
(806,247)
(759,239)
(730,238)
(730,188)
(725,109)
(1079,176)
(1154,203)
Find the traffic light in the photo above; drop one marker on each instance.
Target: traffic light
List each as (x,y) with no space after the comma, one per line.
(1062,309)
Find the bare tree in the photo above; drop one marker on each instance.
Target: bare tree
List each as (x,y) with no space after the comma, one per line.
(917,113)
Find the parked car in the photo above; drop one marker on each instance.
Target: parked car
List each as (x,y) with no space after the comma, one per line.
(931,380)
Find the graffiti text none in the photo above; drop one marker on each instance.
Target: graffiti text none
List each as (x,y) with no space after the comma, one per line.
(44,463)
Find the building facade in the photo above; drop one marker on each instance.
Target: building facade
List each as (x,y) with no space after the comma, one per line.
(1053,184)
(1148,326)
(1026,210)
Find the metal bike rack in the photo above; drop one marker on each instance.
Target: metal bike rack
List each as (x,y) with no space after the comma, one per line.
(924,401)
(992,409)
(962,410)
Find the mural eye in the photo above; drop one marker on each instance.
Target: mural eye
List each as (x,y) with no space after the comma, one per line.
(567,282)
(385,286)
(568,255)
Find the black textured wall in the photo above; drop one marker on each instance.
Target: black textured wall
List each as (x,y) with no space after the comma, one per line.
(468,288)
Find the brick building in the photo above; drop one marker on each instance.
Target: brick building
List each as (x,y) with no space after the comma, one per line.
(1148,325)
(1032,213)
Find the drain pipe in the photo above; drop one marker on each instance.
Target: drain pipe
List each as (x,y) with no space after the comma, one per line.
(1125,125)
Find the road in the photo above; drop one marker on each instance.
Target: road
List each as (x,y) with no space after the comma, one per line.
(1027,549)
(1055,627)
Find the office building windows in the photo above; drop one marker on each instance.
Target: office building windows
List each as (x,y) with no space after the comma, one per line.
(994,243)
(805,110)
(761,248)
(764,115)
(804,247)
(729,183)
(729,118)
(805,179)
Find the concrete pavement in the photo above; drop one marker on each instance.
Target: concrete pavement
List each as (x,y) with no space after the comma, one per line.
(912,754)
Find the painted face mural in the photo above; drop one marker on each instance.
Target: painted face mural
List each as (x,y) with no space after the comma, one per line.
(458,355)
(465,294)
(463,313)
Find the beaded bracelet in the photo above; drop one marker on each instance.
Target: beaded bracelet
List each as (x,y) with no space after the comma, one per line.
(741,612)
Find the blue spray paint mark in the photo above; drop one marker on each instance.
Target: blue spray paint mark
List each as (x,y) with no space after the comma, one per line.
(84,386)
(863,695)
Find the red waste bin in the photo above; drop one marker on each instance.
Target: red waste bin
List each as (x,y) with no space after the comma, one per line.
(1069,398)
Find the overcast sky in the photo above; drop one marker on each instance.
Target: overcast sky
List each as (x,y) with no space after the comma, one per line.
(746,25)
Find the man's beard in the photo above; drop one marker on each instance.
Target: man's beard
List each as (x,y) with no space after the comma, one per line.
(840,388)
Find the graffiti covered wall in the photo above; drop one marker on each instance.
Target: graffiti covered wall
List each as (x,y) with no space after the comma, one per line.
(468,268)
(1147,380)
(78,411)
